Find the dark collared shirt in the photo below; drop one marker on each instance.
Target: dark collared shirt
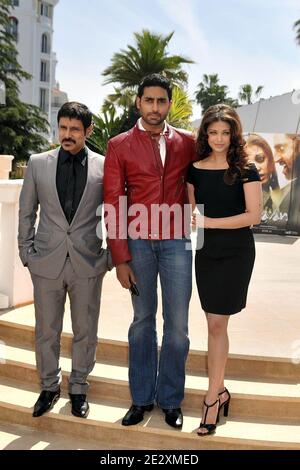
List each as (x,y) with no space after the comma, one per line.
(80,176)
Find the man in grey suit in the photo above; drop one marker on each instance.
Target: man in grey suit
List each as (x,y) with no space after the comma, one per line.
(64,255)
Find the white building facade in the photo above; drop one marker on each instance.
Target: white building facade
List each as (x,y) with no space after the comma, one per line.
(58,99)
(32,26)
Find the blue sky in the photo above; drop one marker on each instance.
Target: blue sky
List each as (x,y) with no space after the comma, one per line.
(244,41)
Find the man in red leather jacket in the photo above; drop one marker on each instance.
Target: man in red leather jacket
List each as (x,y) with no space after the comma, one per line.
(148,164)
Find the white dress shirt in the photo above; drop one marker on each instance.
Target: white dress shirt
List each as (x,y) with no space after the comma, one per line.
(162,140)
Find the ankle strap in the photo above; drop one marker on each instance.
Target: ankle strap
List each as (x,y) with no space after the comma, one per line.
(209,406)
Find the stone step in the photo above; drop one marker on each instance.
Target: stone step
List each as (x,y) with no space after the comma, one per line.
(103,425)
(116,352)
(279,401)
(16,437)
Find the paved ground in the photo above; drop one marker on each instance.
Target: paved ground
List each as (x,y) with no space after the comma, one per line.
(269,326)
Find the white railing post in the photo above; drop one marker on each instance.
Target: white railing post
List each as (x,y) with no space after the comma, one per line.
(5,166)
(15,282)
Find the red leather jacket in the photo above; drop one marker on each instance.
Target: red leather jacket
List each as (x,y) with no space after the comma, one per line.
(133,168)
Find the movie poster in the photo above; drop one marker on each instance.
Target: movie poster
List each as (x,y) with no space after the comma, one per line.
(277,158)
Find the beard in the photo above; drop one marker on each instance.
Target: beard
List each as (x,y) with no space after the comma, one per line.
(154,119)
(287,171)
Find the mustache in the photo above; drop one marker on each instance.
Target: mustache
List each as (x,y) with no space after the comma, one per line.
(68,140)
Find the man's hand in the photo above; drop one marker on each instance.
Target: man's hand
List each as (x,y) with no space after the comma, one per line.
(197,220)
(125,275)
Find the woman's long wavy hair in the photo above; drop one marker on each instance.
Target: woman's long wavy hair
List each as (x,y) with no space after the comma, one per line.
(236,155)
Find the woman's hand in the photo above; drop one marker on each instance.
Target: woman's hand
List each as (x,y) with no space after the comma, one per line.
(200,221)
(196,220)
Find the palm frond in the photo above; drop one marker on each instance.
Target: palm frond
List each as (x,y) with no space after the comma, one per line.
(297,28)
(149,55)
(181,109)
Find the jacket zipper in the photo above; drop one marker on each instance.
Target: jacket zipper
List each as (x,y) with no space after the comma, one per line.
(179,185)
(158,165)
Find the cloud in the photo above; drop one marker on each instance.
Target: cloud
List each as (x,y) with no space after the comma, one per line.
(236,67)
(269,5)
(183,15)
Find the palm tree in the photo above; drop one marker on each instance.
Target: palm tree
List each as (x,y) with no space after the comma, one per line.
(246,93)
(181,109)
(210,92)
(128,67)
(106,125)
(120,98)
(149,55)
(297,28)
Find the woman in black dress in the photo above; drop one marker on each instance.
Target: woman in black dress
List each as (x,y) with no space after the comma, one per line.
(229,188)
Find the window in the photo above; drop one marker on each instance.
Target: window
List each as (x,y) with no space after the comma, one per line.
(45,44)
(13,27)
(46,9)
(15,3)
(44,100)
(56,102)
(44,71)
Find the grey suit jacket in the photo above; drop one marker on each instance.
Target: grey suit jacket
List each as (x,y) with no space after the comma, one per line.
(44,250)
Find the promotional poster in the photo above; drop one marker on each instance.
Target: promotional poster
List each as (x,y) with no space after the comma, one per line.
(277,158)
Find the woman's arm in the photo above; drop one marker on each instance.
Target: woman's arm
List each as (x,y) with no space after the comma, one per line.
(191,195)
(252,215)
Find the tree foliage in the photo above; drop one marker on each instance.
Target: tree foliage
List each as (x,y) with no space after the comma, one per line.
(106,125)
(247,93)
(181,110)
(128,68)
(149,55)
(21,124)
(210,92)
(297,29)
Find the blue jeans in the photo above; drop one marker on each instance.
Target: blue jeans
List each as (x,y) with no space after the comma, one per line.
(173,263)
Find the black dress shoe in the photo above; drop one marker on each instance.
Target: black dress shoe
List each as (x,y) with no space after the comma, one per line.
(80,406)
(135,414)
(45,402)
(174,417)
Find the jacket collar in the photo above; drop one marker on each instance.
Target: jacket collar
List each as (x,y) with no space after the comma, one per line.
(55,152)
(81,156)
(167,132)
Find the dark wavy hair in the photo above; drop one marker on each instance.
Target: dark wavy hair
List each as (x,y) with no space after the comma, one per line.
(75,110)
(236,156)
(155,79)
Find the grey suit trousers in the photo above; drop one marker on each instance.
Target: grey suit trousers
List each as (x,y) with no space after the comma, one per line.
(49,302)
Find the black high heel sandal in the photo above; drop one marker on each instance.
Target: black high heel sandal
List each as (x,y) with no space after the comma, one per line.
(226,403)
(211,428)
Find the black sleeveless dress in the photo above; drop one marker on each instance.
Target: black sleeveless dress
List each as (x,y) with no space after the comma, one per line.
(225,262)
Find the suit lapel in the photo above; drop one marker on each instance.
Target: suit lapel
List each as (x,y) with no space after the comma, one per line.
(88,179)
(51,171)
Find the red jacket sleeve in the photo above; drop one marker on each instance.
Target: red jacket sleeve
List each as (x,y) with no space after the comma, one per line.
(114,207)
(194,155)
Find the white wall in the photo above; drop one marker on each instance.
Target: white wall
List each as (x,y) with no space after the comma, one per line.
(15,281)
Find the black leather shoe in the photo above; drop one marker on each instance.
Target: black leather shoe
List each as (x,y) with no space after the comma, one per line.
(80,406)
(135,414)
(174,417)
(45,402)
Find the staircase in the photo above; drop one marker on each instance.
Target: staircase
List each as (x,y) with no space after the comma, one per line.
(264,412)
